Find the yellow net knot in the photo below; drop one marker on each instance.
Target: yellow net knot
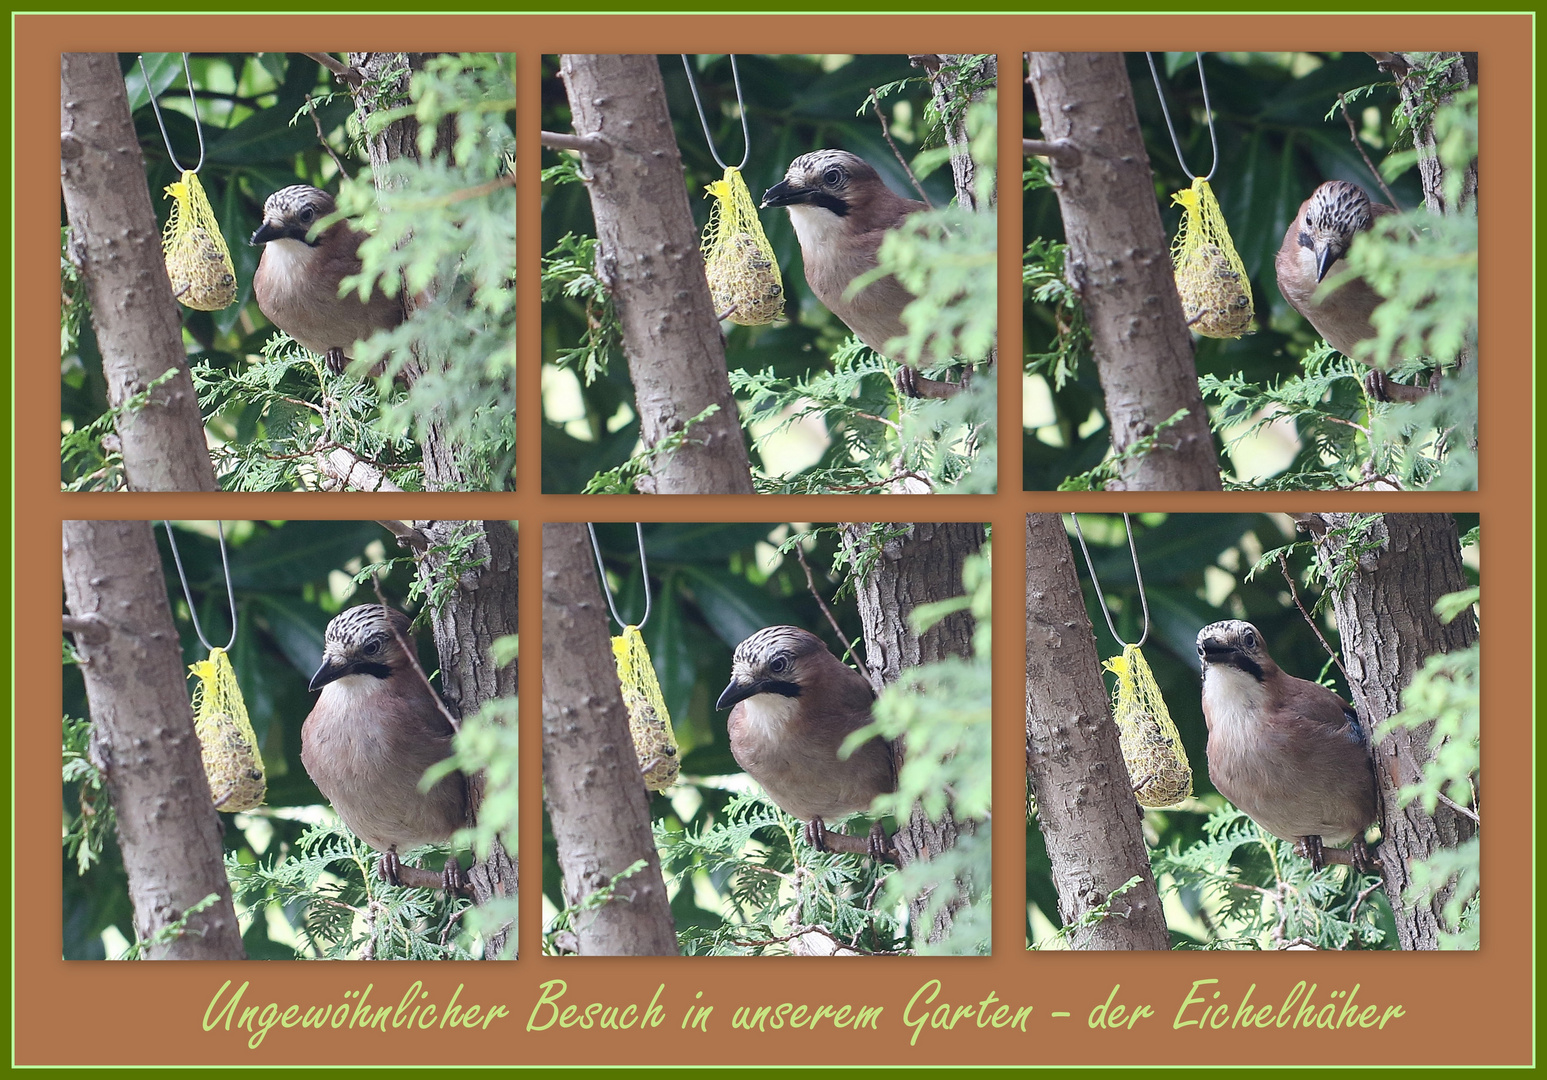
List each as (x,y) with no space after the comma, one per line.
(226,740)
(648,721)
(1152,748)
(738,259)
(1210,277)
(198,261)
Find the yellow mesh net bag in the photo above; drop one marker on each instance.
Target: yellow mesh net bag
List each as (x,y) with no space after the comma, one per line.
(743,273)
(1216,297)
(648,721)
(226,740)
(1152,749)
(198,261)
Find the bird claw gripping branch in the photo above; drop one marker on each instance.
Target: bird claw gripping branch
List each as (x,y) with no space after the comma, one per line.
(226,740)
(198,261)
(738,260)
(1210,277)
(1152,748)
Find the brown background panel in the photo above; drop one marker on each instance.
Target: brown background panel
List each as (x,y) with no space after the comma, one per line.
(152,1013)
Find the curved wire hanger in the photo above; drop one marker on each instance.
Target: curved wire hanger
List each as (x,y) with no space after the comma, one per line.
(1208,111)
(1139,576)
(746,139)
(193,612)
(644,570)
(165,138)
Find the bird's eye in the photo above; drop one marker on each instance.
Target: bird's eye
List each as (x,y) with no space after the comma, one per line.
(372,647)
(779,665)
(833,176)
(306,215)
(1201,650)
(1249,639)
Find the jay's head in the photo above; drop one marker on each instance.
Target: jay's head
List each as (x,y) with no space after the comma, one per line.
(360,641)
(292,213)
(1333,215)
(1236,644)
(833,180)
(776,660)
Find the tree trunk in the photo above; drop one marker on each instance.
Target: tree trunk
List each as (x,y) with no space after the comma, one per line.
(920,567)
(483,606)
(1385,617)
(648,256)
(118,247)
(387,75)
(963,169)
(481,609)
(1460,73)
(592,785)
(142,739)
(1084,798)
(1119,263)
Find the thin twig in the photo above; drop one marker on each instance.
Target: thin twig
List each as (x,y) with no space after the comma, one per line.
(886,133)
(1458,808)
(350,75)
(1353,135)
(1283,565)
(593,146)
(317,123)
(800,554)
(1061,151)
(413,660)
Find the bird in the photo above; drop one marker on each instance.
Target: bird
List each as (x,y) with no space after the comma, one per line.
(793,703)
(374,731)
(298,276)
(1316,239)
(1288,752)
(840,210)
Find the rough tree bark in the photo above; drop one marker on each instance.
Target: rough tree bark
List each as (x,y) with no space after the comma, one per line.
(115,241)
(142,738)
(1119,263)
(1084,797)
(592,785)
(1460,72)
(944,69)
(1386,621)
(649,258)
(483,607)
(922,566)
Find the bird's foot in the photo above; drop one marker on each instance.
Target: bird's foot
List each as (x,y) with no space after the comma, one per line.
(879,846)
(911,384)
(1381,387)
(453,878)
(1365,861)
(1310,847)
(815,834)
(390,868)
(336,361)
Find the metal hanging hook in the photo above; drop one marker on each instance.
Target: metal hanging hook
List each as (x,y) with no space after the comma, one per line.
(165,138)
(644,569)
(1208,111)
(1138,576)
(746,139)
(193,612)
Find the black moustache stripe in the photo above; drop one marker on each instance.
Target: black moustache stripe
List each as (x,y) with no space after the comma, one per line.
(830,202)
(775,686)
(377,671)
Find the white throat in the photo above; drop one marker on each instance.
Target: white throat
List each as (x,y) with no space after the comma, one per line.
(816,226)
(353,692)
(1233,697)
(288,260)
(768,714)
